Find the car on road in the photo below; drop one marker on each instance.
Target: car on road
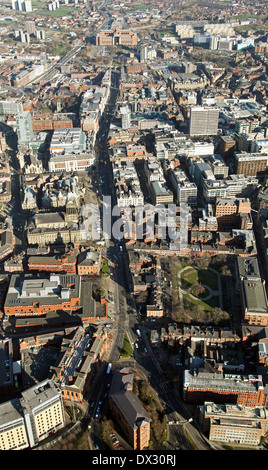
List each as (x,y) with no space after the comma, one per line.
(97,414)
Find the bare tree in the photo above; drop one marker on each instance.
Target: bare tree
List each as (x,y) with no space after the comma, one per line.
(197,289)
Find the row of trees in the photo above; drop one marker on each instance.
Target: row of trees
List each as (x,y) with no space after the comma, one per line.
(198,314)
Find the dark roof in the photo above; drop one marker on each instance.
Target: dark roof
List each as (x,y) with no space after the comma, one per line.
(129,405)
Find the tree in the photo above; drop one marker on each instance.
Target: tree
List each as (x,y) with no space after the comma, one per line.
(180,314)
(198,313)
(203,262)
(197,289)
(225,271)
(219,316)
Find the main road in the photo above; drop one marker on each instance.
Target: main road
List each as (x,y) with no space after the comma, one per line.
(127,318)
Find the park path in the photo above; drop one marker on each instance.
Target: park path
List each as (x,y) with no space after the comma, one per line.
(211,292)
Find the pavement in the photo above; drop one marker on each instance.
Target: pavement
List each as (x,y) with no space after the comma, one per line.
(211,291)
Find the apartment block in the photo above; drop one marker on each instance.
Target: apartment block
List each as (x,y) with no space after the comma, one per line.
(13,431)
(43,411)
(28,420)
(22,5)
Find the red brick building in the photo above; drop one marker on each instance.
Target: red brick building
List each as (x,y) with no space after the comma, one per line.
(203,385)
(48,122)
(128,411)
(123,37)
(53,264)
(32,296)
(86,352)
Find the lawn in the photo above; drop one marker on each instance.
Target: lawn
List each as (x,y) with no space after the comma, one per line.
(203,276)
(127,349)
(59,13)
(105,272)
(138,6)
(209,304)
(42,9)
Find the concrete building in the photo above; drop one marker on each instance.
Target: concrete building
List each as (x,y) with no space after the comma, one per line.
(125,117)
(143,53)
(28,420)
(186,191)
(22,5)
(227,146)
(185,31)
(233,423)
(69,162)
(10,107)
(24,127)
(248,268)
(160,193)
(203,121)
(69,141)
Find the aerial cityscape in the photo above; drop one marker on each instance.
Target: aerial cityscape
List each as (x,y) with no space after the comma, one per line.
(133,227)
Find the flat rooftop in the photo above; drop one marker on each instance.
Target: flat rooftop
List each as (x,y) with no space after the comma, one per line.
(254,294)
(248,268)
(25,290)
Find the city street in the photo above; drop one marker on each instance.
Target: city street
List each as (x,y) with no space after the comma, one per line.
(126,316)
